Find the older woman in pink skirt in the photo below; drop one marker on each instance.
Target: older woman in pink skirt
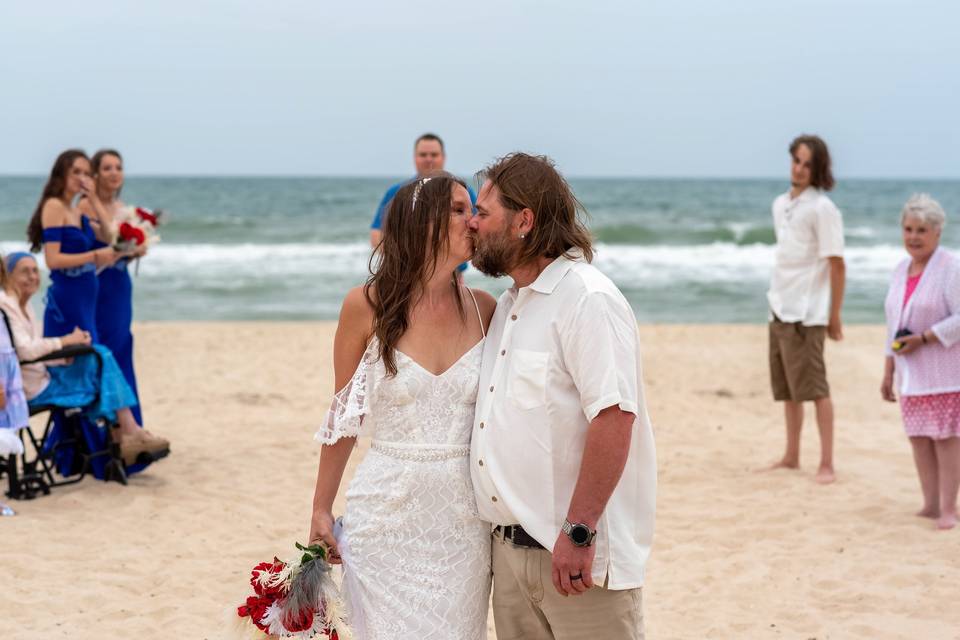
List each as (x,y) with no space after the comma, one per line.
(923,352)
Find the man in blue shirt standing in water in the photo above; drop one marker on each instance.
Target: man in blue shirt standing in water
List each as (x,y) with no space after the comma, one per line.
(429,157)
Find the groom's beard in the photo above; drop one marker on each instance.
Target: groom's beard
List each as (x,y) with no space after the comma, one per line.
(495,255)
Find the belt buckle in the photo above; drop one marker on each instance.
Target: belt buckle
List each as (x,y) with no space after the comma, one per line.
(516,531)
(506,533)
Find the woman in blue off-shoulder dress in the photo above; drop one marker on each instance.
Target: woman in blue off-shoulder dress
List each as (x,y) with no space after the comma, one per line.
(67,239)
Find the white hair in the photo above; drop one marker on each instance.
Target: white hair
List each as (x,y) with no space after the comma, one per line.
(925,209)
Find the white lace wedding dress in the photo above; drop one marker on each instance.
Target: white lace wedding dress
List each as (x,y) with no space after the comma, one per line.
(416,556)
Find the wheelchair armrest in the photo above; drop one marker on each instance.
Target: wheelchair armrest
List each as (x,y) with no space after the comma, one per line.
(71,351)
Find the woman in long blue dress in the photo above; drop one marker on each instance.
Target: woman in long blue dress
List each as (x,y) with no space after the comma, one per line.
(114,310)
(68,240)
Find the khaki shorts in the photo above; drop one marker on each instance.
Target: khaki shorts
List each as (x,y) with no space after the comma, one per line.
(797,369)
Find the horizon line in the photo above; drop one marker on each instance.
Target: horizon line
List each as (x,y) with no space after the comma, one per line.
(570,176)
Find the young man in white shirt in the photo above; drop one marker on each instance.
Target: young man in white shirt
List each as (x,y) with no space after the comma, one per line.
(805,297)
(562,453)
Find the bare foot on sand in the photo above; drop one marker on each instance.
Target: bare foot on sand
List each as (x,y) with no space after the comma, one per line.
(947,521)
(929,512)
(782,464)
(825,475)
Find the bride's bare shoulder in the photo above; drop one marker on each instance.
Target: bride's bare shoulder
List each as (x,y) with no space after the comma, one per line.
(356,312)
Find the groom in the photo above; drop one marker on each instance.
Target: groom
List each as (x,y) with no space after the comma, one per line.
(562,454)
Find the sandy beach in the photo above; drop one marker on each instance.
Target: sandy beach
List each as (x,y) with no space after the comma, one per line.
(737,554)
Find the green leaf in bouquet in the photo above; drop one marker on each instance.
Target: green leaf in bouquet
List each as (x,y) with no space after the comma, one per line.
(312,552)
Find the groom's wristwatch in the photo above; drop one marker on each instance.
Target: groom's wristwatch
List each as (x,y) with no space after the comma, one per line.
(580,534)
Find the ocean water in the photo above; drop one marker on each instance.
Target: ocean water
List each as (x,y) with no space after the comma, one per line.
(681,250)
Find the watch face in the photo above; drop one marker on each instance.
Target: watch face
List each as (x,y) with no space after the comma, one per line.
(579,534)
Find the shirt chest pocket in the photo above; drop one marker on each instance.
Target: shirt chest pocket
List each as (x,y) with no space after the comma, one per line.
(796,244)
(527,380)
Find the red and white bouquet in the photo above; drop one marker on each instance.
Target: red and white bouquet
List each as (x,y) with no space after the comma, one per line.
(135,227)
(295,599)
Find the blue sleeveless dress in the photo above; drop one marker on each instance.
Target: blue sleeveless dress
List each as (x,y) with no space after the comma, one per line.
(72,296)
(114,316)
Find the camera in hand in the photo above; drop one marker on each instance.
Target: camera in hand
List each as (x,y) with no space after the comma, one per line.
(897,343)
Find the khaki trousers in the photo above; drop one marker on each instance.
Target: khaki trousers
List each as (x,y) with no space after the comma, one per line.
(526,605)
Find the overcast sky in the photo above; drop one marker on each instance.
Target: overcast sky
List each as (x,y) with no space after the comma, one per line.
(641,88)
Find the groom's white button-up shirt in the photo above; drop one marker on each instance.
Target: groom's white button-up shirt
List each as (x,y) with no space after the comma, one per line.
(557,353)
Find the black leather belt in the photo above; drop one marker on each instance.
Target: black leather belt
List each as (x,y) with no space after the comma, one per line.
(520,538)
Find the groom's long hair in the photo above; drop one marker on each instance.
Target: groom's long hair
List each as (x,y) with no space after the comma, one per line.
(532,182)
(415,241)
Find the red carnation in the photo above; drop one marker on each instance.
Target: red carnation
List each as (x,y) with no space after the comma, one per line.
(146,216)
(257,570)
(130,232)
(300,621)
(256,607)
(271,568)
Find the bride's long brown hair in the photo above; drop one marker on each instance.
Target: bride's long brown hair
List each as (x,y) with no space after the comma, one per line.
(415,242)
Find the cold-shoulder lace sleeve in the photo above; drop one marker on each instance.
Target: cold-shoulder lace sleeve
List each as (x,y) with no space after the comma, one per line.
(349,405)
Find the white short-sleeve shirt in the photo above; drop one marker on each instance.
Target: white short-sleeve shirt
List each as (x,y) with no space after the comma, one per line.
(558,352)
(809,229)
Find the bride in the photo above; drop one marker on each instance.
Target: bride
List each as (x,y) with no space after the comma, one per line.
(416,556)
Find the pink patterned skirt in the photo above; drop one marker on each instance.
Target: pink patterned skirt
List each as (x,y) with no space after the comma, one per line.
(934,416)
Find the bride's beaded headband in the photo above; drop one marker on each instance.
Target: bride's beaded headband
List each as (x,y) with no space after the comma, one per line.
(416,191)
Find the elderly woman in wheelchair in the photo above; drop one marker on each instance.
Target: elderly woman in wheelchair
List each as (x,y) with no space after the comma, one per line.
(92,380)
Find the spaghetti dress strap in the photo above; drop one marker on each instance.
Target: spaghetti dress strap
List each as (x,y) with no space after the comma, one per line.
(479,316)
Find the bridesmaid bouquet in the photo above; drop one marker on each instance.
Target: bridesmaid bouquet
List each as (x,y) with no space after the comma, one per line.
(294,599)
(136,226)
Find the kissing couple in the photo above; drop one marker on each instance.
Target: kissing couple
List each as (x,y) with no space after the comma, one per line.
(510,438)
